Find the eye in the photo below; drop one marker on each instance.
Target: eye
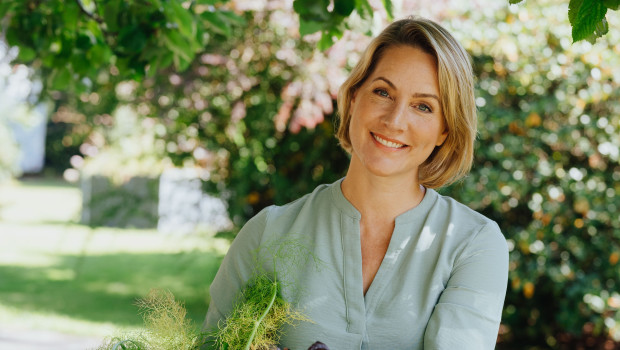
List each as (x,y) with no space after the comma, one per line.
(424,108)
(381,92)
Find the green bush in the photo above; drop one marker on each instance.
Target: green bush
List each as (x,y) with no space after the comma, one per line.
(547,170)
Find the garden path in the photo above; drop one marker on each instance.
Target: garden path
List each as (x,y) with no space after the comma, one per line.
(26,339)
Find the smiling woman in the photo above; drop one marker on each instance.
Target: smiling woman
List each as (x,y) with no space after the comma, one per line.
(396,115)
(403,267)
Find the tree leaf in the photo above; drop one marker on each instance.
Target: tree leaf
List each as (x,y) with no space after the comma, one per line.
(131,39)
(81,64)
(573,8)
(309,27)
(389,9)
(166,60)
(84,41)
(26,54)
(182,17)
(181,64)
(99,54)
(363,8)
(70,14)
(110,14)
(610,4)
(178,45)
(60,78)
(312,10)
(513,2)
(232,18)
(217,22)
(95,30)
(602,28)
(584,16)
(344,7)
(5,8)
(328,38)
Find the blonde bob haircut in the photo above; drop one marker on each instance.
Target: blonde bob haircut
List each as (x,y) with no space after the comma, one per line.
(453,159)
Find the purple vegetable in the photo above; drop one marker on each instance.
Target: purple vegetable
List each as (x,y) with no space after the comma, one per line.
(318,346)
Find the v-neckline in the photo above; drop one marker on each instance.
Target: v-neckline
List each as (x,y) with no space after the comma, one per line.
(358,304)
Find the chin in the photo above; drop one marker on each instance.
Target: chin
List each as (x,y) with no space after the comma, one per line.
(383,171)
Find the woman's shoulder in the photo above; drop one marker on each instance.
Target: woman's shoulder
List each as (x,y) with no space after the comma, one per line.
(467,227)
(464,221)
(319,198)
(456,209)
(274,221)
(277,219)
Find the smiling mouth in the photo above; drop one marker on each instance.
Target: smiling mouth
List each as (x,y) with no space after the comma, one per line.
(387,143)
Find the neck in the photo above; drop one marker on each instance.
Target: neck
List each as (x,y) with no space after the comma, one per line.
(381,196)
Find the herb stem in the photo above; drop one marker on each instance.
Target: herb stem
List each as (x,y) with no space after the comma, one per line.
(258,322)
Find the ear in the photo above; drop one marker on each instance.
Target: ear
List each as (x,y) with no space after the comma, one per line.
(442,138)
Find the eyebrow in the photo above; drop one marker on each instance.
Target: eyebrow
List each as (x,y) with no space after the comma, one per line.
(417,94)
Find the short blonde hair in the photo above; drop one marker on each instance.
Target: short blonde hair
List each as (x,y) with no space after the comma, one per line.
(453,159)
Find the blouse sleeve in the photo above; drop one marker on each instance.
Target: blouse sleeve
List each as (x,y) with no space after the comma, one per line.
(468,312)
(236,269)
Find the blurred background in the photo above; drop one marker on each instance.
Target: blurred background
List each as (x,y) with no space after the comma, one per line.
(136,138)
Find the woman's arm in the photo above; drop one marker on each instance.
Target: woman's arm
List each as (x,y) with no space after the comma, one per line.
(236,269)
(468,312)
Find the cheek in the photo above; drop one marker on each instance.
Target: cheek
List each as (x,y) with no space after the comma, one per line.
(351,131)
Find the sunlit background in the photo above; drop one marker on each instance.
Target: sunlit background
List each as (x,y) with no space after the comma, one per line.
(138,184)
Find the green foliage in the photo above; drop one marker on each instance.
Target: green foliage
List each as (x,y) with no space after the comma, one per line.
(317,16)
(255,322)
(547,169)
(587,18)
(612,4)
(261,311)
(166,318)
(167,328)
(257,318)
(72,42)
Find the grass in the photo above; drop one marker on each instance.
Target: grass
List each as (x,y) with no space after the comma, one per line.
(56,274)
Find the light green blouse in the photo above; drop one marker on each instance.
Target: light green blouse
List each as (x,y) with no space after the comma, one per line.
(441,284)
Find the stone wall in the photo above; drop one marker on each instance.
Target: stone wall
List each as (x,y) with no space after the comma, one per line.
(174,203)
(130,204)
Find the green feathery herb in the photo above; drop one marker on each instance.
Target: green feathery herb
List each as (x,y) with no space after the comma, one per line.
(254,324)
(256,320)
(167,328)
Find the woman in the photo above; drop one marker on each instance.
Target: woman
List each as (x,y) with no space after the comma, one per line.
(402,267)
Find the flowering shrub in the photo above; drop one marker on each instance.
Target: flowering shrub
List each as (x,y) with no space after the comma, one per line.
(547,169)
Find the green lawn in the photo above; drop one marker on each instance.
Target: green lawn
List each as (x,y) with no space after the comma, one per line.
(56,274)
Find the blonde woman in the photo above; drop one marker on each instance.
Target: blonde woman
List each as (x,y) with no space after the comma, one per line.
(403,266)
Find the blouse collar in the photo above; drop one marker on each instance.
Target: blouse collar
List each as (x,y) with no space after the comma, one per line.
(417,212)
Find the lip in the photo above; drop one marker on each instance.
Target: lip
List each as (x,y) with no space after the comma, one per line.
(372,134)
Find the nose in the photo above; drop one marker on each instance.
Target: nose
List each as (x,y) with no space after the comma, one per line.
(395,117)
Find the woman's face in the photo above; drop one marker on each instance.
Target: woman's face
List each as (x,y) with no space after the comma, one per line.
(396,119)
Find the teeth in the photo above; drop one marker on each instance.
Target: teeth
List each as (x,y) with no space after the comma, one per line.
(387,143)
